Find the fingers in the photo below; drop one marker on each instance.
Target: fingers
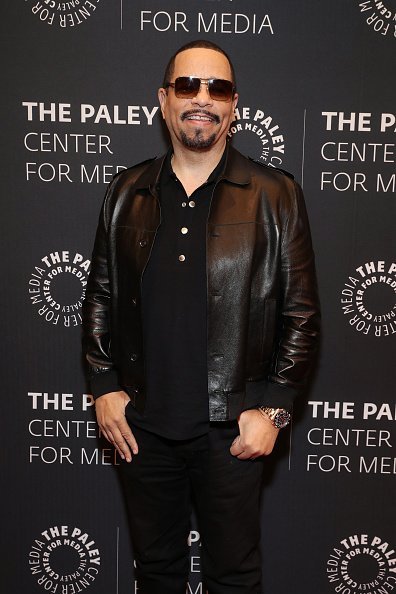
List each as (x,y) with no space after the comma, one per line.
(110,413)
(248,454)
(257,436)
(248,451)
(239,450)
(130,440)
(120,435)
(236,448)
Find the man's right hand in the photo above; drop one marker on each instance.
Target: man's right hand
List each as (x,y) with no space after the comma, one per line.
(110,414)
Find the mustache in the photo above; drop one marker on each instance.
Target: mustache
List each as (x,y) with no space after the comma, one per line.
(191,112)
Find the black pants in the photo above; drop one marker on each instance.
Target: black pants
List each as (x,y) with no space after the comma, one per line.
(160,484)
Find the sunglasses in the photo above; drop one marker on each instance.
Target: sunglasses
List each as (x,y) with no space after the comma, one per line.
(187,87)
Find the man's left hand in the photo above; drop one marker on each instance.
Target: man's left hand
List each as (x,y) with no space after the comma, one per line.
(257,436)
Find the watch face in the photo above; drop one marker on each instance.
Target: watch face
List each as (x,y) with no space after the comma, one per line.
(282,418)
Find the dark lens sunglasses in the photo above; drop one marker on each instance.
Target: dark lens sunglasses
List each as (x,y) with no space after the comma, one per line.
(187,87)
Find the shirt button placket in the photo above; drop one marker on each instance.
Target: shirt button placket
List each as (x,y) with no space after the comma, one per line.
(184,230)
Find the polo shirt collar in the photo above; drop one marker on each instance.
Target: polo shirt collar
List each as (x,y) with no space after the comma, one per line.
(235,170)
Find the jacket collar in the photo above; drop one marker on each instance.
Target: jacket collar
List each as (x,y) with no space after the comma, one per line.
(236,171)
(236,168)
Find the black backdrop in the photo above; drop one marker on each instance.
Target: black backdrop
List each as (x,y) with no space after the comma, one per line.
(316,84)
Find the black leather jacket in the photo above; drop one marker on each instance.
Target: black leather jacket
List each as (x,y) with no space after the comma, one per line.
(263,314)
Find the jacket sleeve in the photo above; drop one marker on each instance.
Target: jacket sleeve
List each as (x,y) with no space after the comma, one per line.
(102,373)
(297,342)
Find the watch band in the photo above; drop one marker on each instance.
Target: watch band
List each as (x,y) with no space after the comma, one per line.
(279,417)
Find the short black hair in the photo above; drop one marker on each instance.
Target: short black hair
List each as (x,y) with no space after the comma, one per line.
(199,43)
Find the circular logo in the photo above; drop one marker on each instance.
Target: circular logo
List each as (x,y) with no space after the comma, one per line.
(63,14)
(362,563)
(258,136)
(379,16)
(57,287)
(64,560)
(368,299)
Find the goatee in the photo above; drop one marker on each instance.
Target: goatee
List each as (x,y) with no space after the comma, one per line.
(197,141)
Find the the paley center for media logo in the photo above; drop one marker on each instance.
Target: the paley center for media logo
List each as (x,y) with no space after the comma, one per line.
(379,16)
(362,563)
(63,14)
(56,287)
(368,298)
(64,559)
(257,134)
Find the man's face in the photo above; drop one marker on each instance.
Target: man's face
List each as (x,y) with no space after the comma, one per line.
(201,122)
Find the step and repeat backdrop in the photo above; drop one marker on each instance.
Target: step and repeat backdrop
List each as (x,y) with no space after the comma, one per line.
(317,98)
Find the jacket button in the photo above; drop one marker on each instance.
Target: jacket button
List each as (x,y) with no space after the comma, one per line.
(134,357)
(134,301)
(142,243)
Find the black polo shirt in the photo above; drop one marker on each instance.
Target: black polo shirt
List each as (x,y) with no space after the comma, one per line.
(174,312)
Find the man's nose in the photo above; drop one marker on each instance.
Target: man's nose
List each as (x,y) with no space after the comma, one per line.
(203,97)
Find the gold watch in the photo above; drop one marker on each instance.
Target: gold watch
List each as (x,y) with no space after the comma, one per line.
(279,417)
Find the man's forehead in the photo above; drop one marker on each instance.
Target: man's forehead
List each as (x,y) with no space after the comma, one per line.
(202,62)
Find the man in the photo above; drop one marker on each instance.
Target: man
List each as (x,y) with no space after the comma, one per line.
(200,321)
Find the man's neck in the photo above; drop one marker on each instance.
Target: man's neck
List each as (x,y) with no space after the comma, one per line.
(193,168)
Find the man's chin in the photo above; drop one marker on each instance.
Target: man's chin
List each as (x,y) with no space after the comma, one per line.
(197,142)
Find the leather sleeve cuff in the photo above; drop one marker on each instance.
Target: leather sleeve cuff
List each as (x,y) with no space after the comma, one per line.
(103,382)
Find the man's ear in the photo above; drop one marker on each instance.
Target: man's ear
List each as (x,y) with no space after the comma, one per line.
(234,104)
(162,98)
